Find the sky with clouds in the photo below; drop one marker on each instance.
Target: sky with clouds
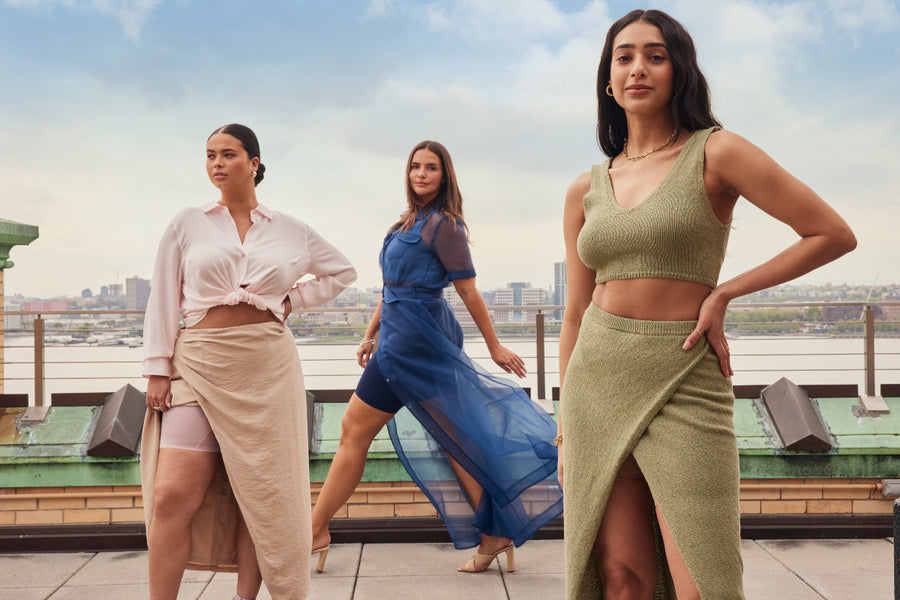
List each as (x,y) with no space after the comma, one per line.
(108,104)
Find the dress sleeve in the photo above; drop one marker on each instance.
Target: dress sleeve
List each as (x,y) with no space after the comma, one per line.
(452,247)
(163,307)
(332,271)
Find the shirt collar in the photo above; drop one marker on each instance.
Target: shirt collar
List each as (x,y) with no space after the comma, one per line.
(259,211)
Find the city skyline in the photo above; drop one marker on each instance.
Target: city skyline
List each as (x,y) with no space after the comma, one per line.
(114,101)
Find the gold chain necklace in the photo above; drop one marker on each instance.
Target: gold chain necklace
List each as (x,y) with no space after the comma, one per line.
(668,141)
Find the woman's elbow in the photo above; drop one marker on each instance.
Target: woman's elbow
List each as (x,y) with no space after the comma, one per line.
(346,277)
(844,240)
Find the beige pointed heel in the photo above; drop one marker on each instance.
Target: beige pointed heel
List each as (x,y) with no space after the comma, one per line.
(480,562)
(323,554)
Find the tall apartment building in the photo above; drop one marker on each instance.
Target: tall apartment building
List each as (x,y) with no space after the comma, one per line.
(560,287)
(137,293)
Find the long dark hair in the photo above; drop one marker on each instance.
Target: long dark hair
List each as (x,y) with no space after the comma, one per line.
(690,105)
(248,140)
(448,199)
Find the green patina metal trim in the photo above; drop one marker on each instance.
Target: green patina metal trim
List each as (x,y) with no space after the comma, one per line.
(803,466)
(46,473)
(381,468)
(14,234)
(52,454)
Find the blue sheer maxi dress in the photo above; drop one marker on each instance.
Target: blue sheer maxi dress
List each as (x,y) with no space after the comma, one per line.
(486,423)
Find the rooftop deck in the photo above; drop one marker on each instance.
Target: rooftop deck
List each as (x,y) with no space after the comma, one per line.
(773,569)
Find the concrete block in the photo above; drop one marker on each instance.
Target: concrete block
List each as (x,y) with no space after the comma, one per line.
(796,418)
(118,429)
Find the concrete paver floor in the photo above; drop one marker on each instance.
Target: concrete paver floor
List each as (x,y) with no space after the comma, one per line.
(773,569)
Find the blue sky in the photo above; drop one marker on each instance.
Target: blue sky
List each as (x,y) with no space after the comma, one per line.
(108,104)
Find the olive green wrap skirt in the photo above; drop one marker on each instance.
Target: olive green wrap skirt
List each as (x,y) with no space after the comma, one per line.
(630,388)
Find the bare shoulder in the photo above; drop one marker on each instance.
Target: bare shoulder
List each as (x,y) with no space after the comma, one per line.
(732,159)
(577,190)
(726,149)
(581,185)
(724,145)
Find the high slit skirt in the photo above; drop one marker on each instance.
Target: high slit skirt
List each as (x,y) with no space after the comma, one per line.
(248,382)
(630,388)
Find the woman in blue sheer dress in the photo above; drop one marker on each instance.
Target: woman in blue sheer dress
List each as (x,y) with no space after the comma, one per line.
(476,444)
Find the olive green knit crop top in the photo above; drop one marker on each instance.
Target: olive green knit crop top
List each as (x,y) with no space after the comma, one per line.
(672,234)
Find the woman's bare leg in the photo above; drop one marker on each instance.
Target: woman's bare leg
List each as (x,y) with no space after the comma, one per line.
(249,578)
(625,548)
(489,543)
(359,426)
(182,478)
(685,587)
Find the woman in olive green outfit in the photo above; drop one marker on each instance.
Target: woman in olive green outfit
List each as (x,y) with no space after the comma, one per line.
(647,446)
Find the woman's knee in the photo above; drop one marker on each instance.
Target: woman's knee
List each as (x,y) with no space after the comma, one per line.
(622,580)
(179,500)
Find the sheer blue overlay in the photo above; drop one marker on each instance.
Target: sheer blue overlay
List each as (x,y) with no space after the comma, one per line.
(486,423)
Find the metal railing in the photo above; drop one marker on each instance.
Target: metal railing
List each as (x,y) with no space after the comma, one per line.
(346,326)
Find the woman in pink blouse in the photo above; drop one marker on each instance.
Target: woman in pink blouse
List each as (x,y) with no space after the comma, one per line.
(224,464)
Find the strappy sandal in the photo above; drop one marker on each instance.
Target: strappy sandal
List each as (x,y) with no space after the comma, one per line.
(480,562)
(323,554)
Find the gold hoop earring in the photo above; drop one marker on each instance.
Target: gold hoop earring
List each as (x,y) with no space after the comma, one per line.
(609,91)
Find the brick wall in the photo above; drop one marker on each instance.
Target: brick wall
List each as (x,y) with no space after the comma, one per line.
(123,504)
(71,505)
(813,496)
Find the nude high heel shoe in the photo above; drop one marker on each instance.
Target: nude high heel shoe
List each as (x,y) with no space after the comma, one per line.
(323,554)
(480,562)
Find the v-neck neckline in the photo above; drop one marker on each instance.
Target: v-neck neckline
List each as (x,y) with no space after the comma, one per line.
(612,192)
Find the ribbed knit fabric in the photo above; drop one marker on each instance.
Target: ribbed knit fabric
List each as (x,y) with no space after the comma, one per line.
(672,234)
(630,388)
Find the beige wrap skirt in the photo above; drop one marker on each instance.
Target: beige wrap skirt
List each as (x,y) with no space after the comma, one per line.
(248,382)
(630,388)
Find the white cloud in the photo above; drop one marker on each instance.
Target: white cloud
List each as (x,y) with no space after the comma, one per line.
(858,15)
(131,14)
(379,9)
(518,137)
(524,19)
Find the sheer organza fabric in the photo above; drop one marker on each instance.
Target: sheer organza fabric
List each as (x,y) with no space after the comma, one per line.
(486,423)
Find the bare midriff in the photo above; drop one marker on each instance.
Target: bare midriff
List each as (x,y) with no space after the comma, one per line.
(233,316)
(651,299)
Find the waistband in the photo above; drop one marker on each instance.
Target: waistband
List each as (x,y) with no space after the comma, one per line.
(642,326)
(266,328)
(391,292)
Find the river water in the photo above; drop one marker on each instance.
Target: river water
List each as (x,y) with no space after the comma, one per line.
(756,360)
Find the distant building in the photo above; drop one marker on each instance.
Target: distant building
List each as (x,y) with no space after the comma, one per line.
(137,293)
(12,321)
(843,313)
(104,291)
(532,297)
(503,297)
(517,287)
(87,293)
(517,293)
(115,290)
(43,306)
(560,288)
(458,307)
